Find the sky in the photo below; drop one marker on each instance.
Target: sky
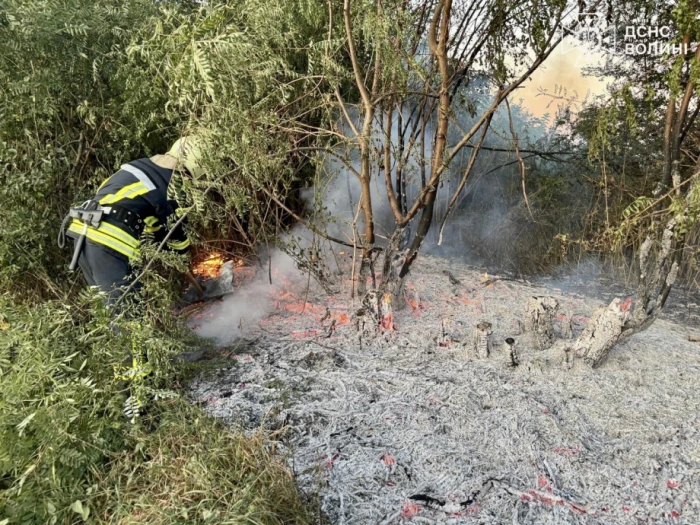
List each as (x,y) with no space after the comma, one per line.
(563,68)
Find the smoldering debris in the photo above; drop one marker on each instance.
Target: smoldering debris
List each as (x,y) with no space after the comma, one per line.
(412,427)
(242,306)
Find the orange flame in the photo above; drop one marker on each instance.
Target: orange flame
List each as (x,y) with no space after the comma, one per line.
(209,267)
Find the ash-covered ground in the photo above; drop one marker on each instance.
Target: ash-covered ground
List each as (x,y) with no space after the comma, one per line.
(406,428)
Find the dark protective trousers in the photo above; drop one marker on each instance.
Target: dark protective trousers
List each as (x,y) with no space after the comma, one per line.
(105,269)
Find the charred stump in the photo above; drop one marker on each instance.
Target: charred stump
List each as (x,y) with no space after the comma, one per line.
(367,316)
(566,325)
(386,313)
(444,339)
(480,346)
(511,352)
(539,317)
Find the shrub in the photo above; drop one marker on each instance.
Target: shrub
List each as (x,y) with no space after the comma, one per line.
(68,453)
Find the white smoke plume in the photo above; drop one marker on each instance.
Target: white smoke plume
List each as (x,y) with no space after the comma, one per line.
(225,320)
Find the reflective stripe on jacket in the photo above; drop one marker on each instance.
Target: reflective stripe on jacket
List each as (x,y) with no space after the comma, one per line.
(110,236)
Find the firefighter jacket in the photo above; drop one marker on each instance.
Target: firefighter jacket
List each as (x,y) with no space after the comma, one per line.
(146,196)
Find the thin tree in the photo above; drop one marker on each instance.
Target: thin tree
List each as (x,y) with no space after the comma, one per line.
(411,71)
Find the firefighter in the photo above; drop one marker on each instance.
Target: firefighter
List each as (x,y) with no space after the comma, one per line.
(139,199)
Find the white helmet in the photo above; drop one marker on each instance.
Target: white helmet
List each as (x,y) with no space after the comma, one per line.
(188,151)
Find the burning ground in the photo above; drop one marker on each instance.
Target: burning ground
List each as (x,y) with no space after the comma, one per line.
(410,427)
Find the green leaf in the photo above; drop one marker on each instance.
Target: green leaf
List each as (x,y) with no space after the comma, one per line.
(78,508)
(25,422)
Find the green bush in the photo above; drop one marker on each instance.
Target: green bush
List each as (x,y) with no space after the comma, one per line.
(191,469)
(67,119)
(86,85)
(61,409)
(68,452)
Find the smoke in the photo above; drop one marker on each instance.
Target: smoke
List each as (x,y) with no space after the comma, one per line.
(486,227)
(562,70)
(487,223)
(226,320)
(592,277)
(338,196)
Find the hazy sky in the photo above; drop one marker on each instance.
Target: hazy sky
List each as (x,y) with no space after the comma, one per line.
(564,68)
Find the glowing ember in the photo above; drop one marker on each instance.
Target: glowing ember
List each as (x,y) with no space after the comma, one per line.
(387,321)
(301,308)
(340,318)
(304,333)
(409,509)
(295,305)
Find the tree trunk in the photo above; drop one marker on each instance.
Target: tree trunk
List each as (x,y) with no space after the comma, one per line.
(510,349)
(658,272)
(603,331)
(367,263)
(438,47)
(394,256)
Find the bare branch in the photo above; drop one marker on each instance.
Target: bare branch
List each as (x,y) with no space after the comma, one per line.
(550,45)
(353,56)
(463,181)
(345,111)
(521,162)
(391,194)
(302,221)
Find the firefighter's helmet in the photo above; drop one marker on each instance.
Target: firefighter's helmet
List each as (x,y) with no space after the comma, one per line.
(188,151)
